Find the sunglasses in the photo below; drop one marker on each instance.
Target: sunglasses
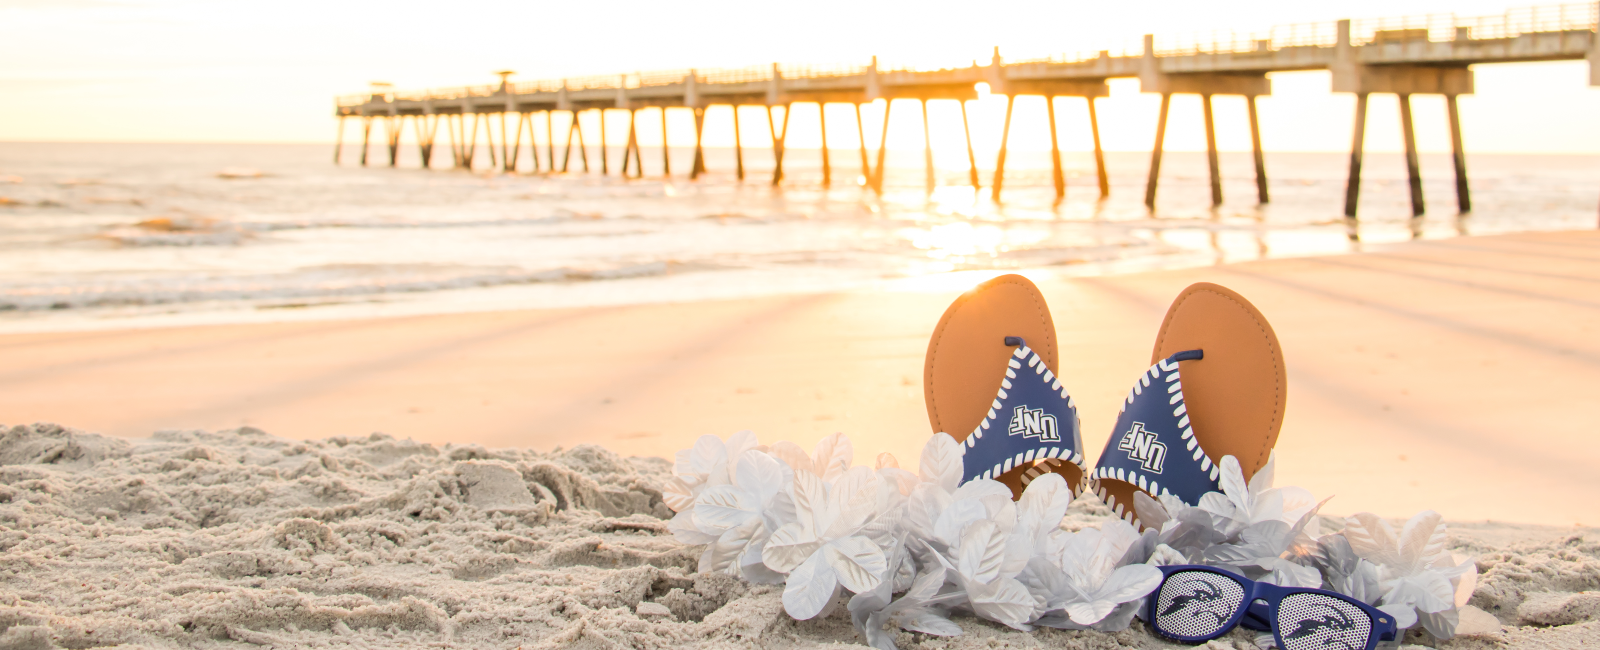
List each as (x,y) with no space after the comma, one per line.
(1198,603)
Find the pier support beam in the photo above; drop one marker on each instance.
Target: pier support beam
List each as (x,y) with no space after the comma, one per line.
(1352,186)
(1099,154)
(1055,151)
(738,146)
(550,138)
(516,145)
(450,133)
(822,123)
(627,149)
(666,156)
(927,148)
(471,153)
(1155,152)
(583,149)
(366,137)
(699,165)
(488,136)
(566,154)
(1000,159)
(861,132)
(777,141)
(604,168)
(1255,148)
(1211,152)
(883,147)
(1459,154)
(507,163)
(426,126)
(338,142)
(972,160)
(1412,172)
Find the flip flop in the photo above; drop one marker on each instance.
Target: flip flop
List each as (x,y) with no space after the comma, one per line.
(1218,388)
(990,383)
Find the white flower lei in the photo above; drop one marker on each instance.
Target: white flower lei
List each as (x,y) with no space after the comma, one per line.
(820,525)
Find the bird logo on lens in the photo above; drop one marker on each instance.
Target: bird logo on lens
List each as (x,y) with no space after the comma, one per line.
(1203,594)
(1335,624)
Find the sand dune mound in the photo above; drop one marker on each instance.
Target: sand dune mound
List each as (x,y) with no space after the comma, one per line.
(234,538)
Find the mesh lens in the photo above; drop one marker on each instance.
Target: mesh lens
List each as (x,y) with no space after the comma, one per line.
(1316,621)
(1197,604)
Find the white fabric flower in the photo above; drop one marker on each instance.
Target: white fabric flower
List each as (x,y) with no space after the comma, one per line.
(709,462)
(1078,575)
(921,609)
(823,549)
(1241,505)
(1420,579)
(742,515)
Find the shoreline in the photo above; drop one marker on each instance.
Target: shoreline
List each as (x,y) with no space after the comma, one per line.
(1393,357)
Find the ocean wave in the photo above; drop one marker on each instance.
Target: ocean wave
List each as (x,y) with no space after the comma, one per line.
(333,283)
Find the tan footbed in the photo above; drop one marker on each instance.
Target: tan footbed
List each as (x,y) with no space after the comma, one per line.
(967,357)
(1236,394)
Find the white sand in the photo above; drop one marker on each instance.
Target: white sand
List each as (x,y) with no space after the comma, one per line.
(236,538)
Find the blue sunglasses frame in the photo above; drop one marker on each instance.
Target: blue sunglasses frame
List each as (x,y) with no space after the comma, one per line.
(1261,616)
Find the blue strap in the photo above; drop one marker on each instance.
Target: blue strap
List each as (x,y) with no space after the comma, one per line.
(1032,418)
(1153,445)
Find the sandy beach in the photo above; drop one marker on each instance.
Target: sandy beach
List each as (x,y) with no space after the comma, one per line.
(1454,375)
(224,486)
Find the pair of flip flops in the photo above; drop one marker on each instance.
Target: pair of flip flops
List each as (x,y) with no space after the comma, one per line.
(1216,387)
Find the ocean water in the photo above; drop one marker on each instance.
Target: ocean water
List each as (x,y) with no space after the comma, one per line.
(113,235)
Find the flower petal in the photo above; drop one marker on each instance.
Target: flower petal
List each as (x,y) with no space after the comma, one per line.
(810,588)
(833,456)
(788,547)
(941,462)
(683,529)
(721,507)
(858,563)
(677,494)
(982,551)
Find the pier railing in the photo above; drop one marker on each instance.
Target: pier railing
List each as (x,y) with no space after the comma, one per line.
(1575,17)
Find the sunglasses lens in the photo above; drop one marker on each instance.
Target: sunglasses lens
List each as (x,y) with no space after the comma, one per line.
(1308,621)
(1197,604)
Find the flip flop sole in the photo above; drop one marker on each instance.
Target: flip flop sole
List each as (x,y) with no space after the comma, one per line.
(967,357)
(1237,394)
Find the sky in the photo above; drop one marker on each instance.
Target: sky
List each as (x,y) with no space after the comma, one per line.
(185,71)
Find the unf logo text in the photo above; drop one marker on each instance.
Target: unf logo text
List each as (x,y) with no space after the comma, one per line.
(1141,446)
(1034,423)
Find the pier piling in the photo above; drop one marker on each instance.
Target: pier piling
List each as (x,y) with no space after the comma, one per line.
(1211,152)
(1155,153)
(1352,186)
(861,133)
(927,148)
(1099,154)
(666,157)
(1000,159)
(738,146)
(1459,156)
(822,123)
(366,135)
(883,148)
(1055,151)
(778,137)
(338,143)
(1413,173)
(1255,148)
(604,167)
(698,167)
(972,160)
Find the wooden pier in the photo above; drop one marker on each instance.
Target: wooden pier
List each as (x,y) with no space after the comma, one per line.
(1404,56)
